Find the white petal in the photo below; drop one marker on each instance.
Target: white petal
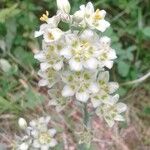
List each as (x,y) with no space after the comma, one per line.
(44,66)
(103,13)
(53,143)
(104,76)
(110,122)
(52,132)
(114,99)
(94,88)
(108,64)
(47,119)
(119,118)
(32,123)
(67,91)
(38,33)
(34,133)
(36,144)
(89,8)
(45,147)
(82,97)
(75,65)
(95,102)
(91,63)
(113,86)
(40,56)
(121,107)
(105,41)
(58,66)
(103,25)
(112,54)
(23,146)
(43,82)
(66,53)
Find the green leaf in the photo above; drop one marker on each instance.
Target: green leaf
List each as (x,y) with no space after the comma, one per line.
(8,12)
(123,68)
(146,32)
(32,98)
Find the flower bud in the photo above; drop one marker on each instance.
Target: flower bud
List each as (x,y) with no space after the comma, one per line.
(22,123)
(63,5)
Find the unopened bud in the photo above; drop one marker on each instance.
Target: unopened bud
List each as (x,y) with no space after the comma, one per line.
(22,123)
(63,5)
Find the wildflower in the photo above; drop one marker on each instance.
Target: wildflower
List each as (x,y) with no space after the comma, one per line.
(43,137)
(63,5)
(94,19)
(112,112)
(22,123)
(105,54)
(49,77)
(102,89)
(57,100)
(81,50)
(50,24)
(78,84)
(49,57)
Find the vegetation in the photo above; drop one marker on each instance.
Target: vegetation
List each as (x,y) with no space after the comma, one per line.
(130,33)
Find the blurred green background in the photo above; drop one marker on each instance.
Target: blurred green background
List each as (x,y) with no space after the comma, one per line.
(130,33)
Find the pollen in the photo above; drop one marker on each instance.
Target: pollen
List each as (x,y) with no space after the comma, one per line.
(44,17)
(97,15)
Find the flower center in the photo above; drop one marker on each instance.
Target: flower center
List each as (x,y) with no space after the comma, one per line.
(44,138)
(44,17)
(97,15)
(50,36)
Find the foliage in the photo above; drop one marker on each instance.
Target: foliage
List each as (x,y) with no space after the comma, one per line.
(130,35)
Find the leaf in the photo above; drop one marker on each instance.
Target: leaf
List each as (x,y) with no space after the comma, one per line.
(8,12)
(146,32)
(32,98)
(123,68)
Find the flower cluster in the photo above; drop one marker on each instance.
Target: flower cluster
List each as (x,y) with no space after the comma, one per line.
(38,135)
(77,59)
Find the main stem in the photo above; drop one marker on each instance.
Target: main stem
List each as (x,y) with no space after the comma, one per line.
(86,115)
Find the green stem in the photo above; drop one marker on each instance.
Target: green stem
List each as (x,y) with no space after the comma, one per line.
(86,115)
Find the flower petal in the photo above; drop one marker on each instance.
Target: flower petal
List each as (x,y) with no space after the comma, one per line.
(75,65)
(44,66)
(91,64)
(58,66)
(52,132)
(43,82)
(103,25)
(36,144)
(67,91)
(121,107)
(108,64)
(40,56)
(119,118)
(95,102)
(113,86)
(94,88)
(53,143)
(82,97)
(110,122)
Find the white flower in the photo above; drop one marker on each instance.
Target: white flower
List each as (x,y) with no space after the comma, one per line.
(112,112)
(57,100)
(23,146)
(102,89)
(50,24)
(80,50)
(22,123)
(52,35)
(49,77)
(50,57)
(94,19)
(78,84)
(105,54)
(43,137)
(63,5)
